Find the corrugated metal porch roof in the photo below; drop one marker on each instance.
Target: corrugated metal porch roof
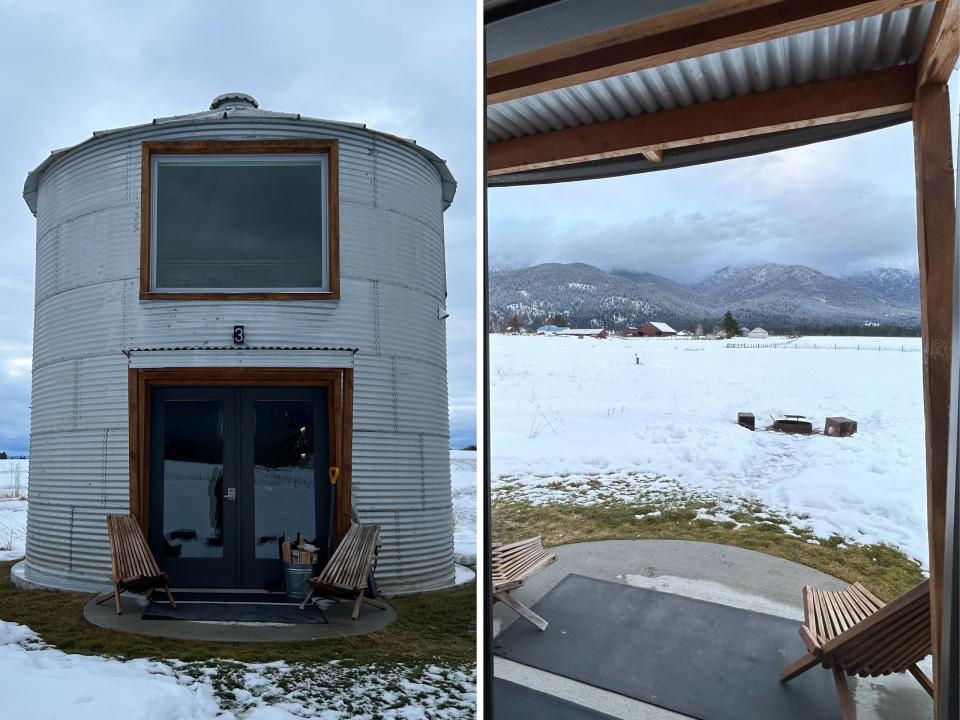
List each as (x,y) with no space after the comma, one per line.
(846,49)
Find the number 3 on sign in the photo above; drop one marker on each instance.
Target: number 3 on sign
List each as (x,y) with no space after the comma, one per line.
(238,335)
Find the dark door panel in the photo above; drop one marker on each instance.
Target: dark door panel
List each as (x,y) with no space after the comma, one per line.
(192,458)
(284,478)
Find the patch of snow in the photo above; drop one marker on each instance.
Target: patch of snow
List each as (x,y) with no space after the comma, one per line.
(41,682)
(716,592)
(13,508)
(14,475)
(463,476)
(13,529)
(463,575)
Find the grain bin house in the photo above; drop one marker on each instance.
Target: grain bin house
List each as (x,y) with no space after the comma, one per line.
(228,305)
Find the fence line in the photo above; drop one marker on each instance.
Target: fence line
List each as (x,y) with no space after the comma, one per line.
(815,346)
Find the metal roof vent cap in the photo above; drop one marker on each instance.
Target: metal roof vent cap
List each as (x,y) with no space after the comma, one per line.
(233,100)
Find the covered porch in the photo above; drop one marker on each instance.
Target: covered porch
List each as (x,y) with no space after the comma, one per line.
(743,582)
(578,92)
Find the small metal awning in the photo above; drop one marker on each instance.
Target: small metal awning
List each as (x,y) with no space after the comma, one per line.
(241,356)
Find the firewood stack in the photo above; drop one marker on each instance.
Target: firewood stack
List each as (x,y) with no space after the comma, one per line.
(299,551)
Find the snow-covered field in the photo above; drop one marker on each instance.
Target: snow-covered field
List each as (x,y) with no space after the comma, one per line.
(13,510)
(43,683)
(463,474)
(579,420)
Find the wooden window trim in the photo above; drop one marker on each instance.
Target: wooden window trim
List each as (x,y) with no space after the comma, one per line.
(339,385)
(242,147)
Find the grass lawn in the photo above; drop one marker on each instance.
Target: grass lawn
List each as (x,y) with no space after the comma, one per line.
(432,627)
(882,568)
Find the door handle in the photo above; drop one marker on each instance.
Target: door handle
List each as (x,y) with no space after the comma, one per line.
(231,494)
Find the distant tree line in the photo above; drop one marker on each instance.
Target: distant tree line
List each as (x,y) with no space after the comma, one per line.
(729,323)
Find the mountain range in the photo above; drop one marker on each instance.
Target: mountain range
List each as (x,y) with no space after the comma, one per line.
(776,297)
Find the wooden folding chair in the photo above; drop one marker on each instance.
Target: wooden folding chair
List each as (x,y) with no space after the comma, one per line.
(852,632)
(511,566)
(347,572)
(134,567)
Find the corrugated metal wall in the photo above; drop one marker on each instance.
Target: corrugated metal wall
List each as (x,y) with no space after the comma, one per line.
(88,313)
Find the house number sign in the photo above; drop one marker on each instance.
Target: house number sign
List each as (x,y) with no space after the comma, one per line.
(239,335)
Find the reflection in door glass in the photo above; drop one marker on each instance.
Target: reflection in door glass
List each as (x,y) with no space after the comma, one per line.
(283,472)
(193,479)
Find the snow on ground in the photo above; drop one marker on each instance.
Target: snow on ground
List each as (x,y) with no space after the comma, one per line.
(715,592)
(13,477)
(463,474)
(580,420)
(46,684)
(13,529)
(13,509)
(43,683)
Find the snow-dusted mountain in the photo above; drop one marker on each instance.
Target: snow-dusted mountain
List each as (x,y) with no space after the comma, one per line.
(898,286)
(770,295)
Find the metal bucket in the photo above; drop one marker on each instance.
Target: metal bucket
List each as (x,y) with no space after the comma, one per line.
(297,575)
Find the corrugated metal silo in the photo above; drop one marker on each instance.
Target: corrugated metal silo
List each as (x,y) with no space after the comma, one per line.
(92,327)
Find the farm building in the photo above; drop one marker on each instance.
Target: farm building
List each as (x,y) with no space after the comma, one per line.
(229,306)
(598,333)
(758,332)
(652,329)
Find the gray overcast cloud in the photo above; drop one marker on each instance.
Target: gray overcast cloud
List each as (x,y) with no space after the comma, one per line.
(840,207)
(68,69)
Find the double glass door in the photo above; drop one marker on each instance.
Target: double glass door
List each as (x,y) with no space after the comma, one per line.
(234,471)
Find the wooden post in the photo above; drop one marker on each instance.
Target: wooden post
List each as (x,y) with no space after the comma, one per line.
(936,218)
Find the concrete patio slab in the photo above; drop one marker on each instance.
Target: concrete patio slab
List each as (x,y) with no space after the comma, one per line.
(715,573)
(340,624)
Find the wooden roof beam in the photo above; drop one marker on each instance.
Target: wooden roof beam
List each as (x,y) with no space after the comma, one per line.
(942,46)
(691,32)
(654,155)
(881,92)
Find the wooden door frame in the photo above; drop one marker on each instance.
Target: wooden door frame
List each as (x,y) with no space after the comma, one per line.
(337,381)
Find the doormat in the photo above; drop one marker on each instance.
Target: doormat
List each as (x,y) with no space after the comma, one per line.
(517,702)
(701,659)
(271,608)
(159,596)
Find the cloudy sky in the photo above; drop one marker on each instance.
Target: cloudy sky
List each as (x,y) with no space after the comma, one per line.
(67,69)
(839,206)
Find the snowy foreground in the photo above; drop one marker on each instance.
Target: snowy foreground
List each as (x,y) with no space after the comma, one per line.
(46,684)
(581,421)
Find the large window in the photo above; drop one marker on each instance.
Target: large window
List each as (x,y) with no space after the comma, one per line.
(240,220)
